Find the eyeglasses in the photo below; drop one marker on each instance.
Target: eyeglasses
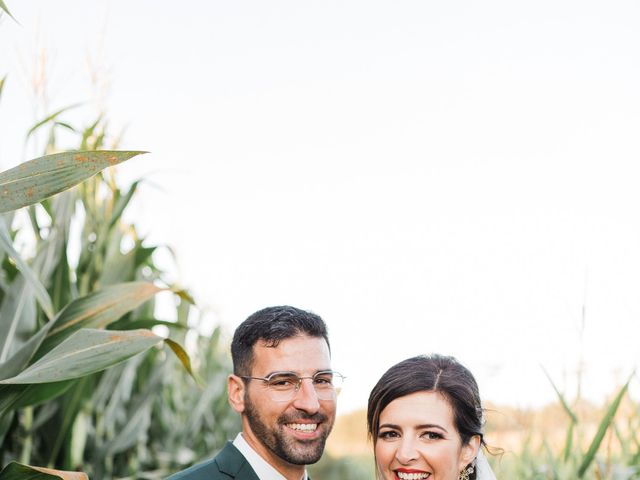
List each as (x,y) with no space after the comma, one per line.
(283,386)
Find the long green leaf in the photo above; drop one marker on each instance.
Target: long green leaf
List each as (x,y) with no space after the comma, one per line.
(89,132)
(2,80)
(49,118)
(140,416)
(85,352)
(122,203)
(18,311)
(185,295)
(602,430)
(214,388)
(5,425)
(13,397)
(17,316)
(35,180)
(40,292)
(21,358)
(30,395)
(62,210)
(183,357)
(19,471)
(3,6)
(95,310)
(72,401)
(65,125)
(565,405)
(114,387)
(118,267)
(98,310)
(568,443)
(145,323)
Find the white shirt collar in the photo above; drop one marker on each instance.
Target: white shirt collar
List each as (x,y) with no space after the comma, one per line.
(263,469)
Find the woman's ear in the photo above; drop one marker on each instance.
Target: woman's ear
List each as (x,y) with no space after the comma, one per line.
(469,451)
(235,390)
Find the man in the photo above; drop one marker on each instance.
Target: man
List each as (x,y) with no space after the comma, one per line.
(285,391)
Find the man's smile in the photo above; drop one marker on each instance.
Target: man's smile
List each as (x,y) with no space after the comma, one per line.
(303,427)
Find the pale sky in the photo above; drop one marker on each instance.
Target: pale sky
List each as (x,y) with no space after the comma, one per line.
(452,177)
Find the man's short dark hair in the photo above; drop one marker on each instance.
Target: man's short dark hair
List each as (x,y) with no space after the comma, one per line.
(272,325)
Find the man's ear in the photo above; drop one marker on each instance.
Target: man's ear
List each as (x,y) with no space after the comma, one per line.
(469,451)
(235,390)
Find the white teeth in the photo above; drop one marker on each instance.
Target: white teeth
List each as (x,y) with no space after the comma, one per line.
(412,476)
(303,427)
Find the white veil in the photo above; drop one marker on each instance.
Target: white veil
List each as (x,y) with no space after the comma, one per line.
(483,469)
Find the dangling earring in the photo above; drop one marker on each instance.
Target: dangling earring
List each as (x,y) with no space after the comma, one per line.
(465,473)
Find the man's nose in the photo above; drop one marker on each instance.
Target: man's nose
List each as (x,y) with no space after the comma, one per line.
(406,452)
(306,398)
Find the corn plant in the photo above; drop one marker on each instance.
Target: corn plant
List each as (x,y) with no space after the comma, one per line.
(83,384)
(66,316)
(606,450)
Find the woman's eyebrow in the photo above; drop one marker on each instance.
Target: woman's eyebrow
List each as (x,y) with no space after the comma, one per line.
(417,427)
(390,425)
(431,425)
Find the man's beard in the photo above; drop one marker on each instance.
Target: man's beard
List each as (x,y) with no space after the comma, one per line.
(292,451)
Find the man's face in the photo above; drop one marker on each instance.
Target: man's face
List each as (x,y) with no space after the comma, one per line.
(291,432)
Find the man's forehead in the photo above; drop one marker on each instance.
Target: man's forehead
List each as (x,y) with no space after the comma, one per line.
(292,354)
(297,341)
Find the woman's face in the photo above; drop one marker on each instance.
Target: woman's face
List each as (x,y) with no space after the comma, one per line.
(417,439)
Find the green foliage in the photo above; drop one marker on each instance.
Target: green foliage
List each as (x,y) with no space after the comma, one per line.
(3,79)
(17,471)
(38,179)
(84,352)
(50,118)
(605,449)
(605,423)
(83,382)
(3,6)
(30,277)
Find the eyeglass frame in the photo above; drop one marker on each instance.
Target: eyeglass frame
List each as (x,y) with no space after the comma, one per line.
(298,383)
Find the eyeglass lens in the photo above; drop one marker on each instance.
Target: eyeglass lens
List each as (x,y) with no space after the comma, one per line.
(284,386)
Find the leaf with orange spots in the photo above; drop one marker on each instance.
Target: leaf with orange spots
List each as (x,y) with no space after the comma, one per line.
(85,352)
(97,310)
(33,181)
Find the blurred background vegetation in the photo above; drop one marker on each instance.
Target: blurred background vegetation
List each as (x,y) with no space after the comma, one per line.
(145,417)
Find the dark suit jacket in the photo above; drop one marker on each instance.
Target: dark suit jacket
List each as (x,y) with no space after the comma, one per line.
(229,463)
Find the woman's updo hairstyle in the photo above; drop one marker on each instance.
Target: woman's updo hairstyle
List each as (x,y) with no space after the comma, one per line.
(430,373)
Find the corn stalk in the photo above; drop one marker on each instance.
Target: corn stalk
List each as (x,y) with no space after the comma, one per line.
(83,382)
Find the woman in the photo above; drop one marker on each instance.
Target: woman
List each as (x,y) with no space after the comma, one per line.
(425,419)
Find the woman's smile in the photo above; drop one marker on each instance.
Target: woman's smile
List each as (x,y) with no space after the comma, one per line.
(417,439)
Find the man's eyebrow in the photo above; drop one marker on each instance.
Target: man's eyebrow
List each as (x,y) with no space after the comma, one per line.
(280,372)
(289,372)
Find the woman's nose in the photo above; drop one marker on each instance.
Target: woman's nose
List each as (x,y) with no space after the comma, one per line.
(406,452)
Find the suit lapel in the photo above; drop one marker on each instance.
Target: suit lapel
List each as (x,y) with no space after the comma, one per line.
(232,462)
